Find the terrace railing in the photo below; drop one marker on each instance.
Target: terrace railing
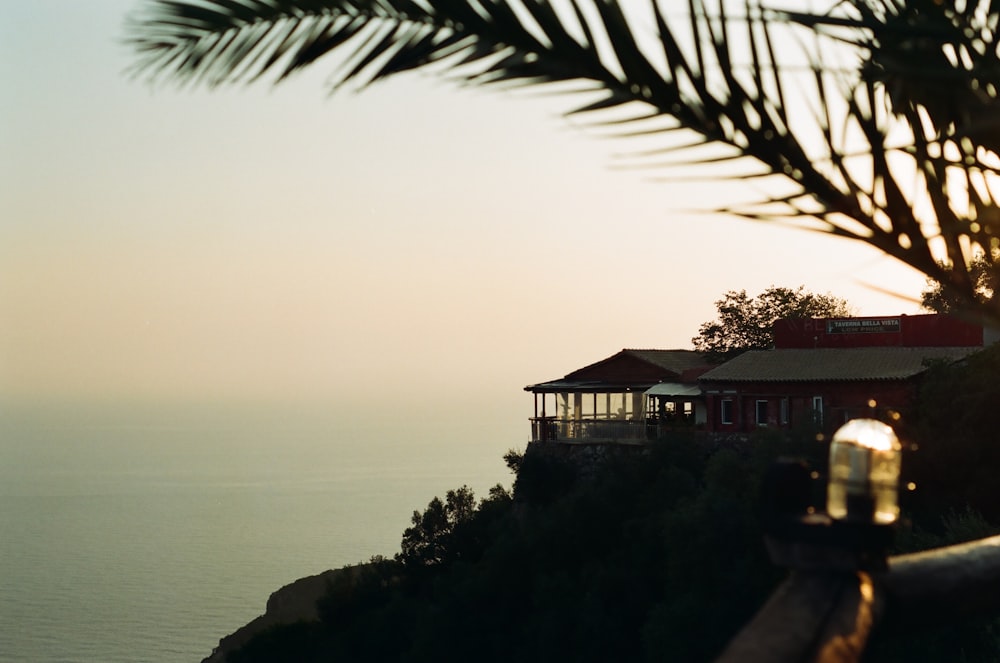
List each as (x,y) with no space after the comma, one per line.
(552,429)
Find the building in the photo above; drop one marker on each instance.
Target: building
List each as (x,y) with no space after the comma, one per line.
(826,371)
(630,396)
(785,388)
(821,372)
(907,331)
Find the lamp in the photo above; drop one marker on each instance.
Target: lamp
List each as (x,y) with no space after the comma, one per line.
(862,503)
(863,486)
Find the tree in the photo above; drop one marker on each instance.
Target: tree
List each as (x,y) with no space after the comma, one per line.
(954,423)
(451,530)
(940,299)
(745,324)
(426,542)
(900,152)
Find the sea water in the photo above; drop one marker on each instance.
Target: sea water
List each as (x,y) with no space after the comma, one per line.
(147,537)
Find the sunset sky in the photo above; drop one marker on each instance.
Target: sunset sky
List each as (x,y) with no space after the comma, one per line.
(280,244)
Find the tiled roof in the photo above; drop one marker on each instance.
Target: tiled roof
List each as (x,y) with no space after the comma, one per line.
(826,364)
(672,360)
(628,369)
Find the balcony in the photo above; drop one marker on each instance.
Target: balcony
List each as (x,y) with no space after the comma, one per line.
(553,429)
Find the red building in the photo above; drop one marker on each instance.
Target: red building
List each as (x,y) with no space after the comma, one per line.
(823,371)
(905,331)
(827,371)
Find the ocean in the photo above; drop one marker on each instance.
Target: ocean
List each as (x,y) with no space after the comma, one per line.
(147,535)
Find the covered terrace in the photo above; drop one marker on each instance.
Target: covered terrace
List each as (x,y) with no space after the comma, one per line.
(633,395)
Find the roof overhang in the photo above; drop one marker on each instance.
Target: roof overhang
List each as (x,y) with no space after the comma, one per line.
(584,387)
(674,389)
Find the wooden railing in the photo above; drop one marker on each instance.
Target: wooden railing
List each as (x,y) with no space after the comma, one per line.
(827,615)
(551,429)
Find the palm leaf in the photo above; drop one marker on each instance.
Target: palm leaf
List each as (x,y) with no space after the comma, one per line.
(714,74)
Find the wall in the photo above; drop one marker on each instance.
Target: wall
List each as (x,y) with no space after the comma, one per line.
(910,331)
(841,401)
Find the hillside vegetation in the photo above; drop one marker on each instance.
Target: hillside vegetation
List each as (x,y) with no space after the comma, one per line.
(657,556)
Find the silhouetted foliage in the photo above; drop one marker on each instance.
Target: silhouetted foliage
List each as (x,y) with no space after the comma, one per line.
(288,643)
(955,426)
(541,479)
(450,530)
(660,551)
(745,323)
(940,298)
(426,541)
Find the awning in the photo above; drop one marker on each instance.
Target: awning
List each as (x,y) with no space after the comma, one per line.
(674,389)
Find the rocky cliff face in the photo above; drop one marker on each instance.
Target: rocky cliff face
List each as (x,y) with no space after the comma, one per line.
(292,603)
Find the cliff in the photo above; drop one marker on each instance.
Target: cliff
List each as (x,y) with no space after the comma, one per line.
(292,603)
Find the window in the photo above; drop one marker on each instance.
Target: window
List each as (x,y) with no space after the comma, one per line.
(726,408)
(761,413)
(784,410)
(818,410)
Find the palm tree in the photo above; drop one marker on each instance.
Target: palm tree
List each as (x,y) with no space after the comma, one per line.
(874,121)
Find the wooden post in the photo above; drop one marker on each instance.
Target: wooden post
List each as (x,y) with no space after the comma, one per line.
(814,616)
(820,616)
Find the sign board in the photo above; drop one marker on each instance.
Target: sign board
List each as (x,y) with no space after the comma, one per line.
(862,326)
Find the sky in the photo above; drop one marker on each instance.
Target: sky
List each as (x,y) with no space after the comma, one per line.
(417,241)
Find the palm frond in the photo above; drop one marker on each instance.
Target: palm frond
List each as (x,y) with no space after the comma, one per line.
(710,72)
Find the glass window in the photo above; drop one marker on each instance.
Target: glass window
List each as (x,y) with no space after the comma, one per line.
(818,409)
(727,410)
(761,413)
(784,410)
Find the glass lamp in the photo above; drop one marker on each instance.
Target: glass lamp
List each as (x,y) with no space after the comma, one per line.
(865,457)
